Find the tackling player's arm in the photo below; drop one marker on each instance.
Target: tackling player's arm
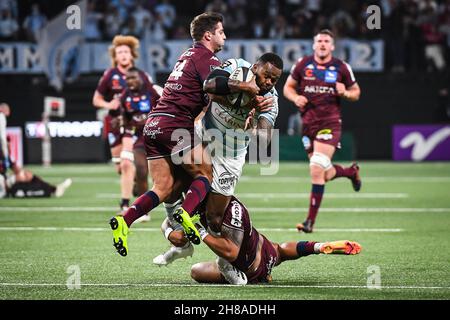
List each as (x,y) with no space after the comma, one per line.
(351,93)
(227,245)
(290,92)
(218,83)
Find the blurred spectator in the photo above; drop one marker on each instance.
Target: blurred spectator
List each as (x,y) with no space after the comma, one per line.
(10,5)
(8,26)
(33,23)
(130,28)
(433,38)
(113,22)
(277,29)
(167,13)
(142,17)
(93,18)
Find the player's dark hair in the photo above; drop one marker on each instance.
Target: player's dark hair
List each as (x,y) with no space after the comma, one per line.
(327,32)
(133,69)
(272,58)
(204,22)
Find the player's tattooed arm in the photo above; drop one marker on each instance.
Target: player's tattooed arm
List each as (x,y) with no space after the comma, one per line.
(227,245)
(352,93)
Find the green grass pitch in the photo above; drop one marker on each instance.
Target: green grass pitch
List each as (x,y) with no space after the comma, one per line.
(401,217)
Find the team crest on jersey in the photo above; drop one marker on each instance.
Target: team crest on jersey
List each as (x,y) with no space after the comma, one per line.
(324,134)
(330,76)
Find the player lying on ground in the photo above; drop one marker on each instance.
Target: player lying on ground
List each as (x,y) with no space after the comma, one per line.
(250,254)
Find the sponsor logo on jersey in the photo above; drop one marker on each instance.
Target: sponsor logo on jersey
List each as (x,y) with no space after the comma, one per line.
(324,134)
(214,58)
(152,133)
(306,142)
(309,74)
(319,89)
(330,76)
(173,86)
(226,181)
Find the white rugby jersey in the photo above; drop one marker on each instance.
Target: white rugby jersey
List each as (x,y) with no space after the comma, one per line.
(230,122)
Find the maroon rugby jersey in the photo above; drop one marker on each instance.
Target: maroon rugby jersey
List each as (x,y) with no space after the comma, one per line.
(112,84)
(317,82)
(237,220)
(183,94)
(136,105)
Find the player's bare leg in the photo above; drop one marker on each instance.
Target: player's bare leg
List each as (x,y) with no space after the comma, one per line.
(128,172)
(115,156)
(207,272)
(141,178)
(141,163)
(320,163)
(197,164)
(163,182)
(215,208)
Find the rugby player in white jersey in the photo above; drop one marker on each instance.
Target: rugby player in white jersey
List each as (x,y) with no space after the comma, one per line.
(226,127)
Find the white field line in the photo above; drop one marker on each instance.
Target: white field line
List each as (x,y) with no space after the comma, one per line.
(93,229)
(300,195)
(277,179)
(251,210)
(159,285)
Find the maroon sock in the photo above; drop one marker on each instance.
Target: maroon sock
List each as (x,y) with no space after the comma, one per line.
(315,200)
(305,248)
(343,172)
(196,193)
(141,206)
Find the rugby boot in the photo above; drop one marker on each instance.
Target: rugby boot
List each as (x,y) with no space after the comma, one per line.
(306,227)
(182,217)
(173,254)
(231,273)
(356,179)
(120,234)
(341,247)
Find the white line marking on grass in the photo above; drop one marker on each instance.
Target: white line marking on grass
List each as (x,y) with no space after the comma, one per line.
(251,210)
(298,195)
(93,229)
(275,179)
(256,286)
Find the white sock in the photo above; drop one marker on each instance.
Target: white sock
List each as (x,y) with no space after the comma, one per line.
(317,247)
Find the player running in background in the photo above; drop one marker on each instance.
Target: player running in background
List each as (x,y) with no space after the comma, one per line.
(182,101)
(137,100)
(229,146)
(123,52)
(316,86)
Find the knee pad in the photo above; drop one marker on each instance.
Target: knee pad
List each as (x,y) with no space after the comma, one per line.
(127,155)
(321,160)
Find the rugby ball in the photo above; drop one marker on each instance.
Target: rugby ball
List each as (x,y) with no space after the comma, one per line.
(240,99)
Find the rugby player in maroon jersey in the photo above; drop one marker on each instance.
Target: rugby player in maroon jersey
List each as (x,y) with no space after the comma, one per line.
(137,100)
(182,101)
(247,256)
(316,86)
(123,52)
